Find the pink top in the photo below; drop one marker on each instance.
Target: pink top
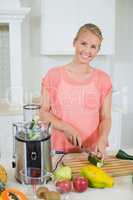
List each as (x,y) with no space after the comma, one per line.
(76,102)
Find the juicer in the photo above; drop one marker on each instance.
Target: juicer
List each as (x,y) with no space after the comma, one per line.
(31,145)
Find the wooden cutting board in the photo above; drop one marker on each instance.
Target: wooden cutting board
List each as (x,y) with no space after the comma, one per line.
(113,166)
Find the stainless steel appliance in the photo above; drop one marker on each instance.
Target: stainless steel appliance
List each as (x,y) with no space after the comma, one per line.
(32,149)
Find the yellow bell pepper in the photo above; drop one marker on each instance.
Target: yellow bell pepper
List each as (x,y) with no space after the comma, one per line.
(96,176)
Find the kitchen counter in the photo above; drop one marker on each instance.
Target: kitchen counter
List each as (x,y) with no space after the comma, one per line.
(123,188)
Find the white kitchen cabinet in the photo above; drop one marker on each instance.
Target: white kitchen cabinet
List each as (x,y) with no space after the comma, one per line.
(60,20)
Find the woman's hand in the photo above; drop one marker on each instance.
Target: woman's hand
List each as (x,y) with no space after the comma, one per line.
(100,147)
(72,135)
(69,131)
(73,138)
(45,117)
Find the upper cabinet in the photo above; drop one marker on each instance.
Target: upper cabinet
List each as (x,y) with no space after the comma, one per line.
(61,19)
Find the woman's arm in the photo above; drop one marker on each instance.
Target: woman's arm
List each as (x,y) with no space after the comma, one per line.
(105,125)
(48,117)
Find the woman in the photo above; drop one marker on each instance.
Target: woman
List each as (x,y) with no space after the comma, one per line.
(76,98)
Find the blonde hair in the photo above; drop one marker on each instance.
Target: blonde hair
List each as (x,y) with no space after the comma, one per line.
(89,27)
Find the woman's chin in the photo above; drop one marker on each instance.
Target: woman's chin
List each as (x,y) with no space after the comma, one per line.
(82,61)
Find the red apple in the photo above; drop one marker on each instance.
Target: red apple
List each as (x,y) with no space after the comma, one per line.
(64,186)
(80,184)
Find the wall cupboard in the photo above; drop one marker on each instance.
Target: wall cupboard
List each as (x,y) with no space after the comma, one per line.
(60,20)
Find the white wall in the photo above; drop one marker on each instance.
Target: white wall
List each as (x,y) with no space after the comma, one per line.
(119,66)
(123,61)
(123,64)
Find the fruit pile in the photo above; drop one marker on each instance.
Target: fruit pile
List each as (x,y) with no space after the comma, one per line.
(64,182)
(90,176)
(8,193)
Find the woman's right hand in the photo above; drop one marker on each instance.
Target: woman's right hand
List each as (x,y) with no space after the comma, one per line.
(72,135)
(70,132)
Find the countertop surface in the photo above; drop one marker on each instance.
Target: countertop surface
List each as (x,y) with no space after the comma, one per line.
(123,188)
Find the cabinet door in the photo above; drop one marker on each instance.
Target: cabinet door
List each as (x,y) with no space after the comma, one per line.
(58,26)
(60,20)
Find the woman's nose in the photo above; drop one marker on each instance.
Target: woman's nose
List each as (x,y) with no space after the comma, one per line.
(87,49)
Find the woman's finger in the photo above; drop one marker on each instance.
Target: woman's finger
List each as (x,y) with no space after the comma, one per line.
(70,139)
(78,141)
(74,140)
(99,154)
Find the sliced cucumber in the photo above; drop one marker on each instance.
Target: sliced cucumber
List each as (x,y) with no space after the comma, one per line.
(95,160)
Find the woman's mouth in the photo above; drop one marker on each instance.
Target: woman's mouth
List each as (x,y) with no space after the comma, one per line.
(85,57)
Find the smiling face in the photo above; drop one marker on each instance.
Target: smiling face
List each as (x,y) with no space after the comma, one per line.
(86,47)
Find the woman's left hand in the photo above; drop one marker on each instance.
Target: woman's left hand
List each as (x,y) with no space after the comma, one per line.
(100,147)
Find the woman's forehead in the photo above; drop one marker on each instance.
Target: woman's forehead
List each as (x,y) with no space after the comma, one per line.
(88,36)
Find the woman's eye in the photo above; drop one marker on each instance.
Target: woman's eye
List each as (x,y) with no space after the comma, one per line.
(83,43)
(93,46)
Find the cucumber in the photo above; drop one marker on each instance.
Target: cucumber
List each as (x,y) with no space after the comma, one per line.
(95,160)
(123,155)
(32,124)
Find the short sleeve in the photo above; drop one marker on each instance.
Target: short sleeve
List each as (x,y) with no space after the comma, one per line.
(51,81)
(106,87)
